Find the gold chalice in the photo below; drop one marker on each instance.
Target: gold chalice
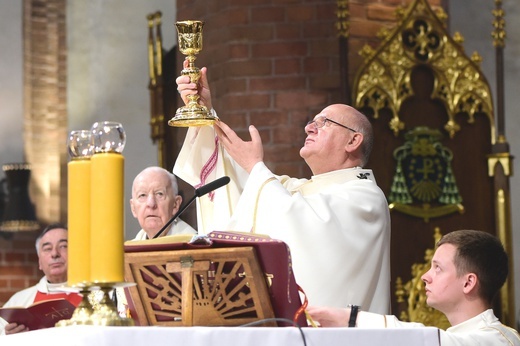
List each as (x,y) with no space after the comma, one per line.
(190,44)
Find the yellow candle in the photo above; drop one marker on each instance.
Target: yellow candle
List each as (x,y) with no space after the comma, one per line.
(78,270)
(107,217)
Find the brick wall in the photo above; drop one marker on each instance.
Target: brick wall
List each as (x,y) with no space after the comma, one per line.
(18,263)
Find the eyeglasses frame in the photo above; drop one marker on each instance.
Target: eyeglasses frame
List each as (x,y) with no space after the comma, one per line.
(313,121)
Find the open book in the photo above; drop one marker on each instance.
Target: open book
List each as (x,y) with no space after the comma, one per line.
(40,315)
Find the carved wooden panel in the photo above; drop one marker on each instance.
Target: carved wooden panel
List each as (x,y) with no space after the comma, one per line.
(202,287)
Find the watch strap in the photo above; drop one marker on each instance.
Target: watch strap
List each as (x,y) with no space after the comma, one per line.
(354,309)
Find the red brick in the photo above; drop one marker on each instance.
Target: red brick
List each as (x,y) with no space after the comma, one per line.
(366,28)
(17,270)
(276,83)
(291,66)
(237,121)
(282,153)
(4,283)
(235,85)
(231,17)
(252,33)
(279,49)
(357,10)
(15,257)
(253,67)
(381,12)
(19,284)
(321,31)
(271,14)
(285,135)
(291,31)
(324,48)
(325,81)
(314,65)
(238,102)
(238,51)
(32,257)
(269,118)
(265,135)
(252,2)
(301,13)
(4,296)
(295,100)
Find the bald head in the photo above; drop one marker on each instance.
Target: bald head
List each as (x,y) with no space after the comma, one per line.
(339,137)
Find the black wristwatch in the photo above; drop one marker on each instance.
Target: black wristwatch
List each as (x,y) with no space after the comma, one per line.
(354,309)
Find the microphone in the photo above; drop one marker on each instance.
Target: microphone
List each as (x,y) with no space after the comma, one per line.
(201,191)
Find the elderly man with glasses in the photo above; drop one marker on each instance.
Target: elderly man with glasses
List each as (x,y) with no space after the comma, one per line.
(336,224)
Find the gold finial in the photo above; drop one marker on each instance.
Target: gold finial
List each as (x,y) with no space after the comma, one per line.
(476,58)
(458,38)
(499,24)
(366,51)
(343,14)
(441,14)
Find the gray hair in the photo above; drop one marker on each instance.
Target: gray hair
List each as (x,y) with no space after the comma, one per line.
(364,126)
(171,176)
(52,226)
(368,139)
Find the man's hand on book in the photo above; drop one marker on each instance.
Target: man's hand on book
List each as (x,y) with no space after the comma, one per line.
(13,328)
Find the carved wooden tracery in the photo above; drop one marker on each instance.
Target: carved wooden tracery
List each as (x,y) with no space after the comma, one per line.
(385,79)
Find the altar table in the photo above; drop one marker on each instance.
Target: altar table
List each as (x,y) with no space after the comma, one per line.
(223,336)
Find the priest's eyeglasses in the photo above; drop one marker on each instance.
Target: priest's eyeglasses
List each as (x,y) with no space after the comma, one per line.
(320,121)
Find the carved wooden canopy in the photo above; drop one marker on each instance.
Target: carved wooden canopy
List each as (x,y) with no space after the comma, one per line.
(421,38)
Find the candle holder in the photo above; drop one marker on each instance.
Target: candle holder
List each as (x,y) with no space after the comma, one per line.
(108,137)
(190,44)
(105,311)
(96,223)
(82,314)
(80,145)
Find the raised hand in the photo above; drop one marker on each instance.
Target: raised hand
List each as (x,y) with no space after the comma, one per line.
(246,153)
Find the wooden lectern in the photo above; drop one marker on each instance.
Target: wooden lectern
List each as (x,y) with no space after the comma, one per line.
(231,280)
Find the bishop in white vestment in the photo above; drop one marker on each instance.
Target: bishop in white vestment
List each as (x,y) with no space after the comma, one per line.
(336,224)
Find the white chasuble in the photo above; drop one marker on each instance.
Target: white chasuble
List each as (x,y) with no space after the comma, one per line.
(337,224)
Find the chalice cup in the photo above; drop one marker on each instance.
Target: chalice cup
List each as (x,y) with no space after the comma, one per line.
(190,44)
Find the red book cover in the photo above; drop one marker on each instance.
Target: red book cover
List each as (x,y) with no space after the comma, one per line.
(44,314)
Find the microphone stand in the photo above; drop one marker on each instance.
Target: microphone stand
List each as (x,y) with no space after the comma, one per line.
(175,216)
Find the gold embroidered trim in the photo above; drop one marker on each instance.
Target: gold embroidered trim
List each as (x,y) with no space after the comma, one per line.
(256,202)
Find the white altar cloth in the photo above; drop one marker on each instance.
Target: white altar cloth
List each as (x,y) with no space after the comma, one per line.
(222,336)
